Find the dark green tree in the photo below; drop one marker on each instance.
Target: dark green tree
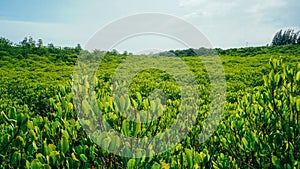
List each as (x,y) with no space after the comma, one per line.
(287,37)
(40,43)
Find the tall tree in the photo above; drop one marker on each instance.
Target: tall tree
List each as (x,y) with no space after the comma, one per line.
(277,38)
(40,43)
(286,37)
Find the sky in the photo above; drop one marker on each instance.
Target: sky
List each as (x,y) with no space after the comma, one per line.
(225,23)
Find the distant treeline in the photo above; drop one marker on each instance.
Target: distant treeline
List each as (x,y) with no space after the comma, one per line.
(283,42)
(28,47)
(286,39)
(248,51)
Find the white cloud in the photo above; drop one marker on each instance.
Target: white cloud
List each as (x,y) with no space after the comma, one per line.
(184,3)
(195,14)
(233,23)
(260,6)
(227,8)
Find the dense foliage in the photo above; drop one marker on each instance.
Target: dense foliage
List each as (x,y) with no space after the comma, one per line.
(259,127)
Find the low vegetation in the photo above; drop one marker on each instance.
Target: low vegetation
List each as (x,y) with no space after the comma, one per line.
(40,128)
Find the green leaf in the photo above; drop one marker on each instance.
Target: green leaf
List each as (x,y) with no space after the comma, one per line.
(287,166)
(40,157)
(27,164)
(35,164)
(298,77)
(64,144)
(131,164)
(215,165)
(34,146)
(245,142)
(223,140)
(20,141)
(201,156)
(136,128)
(125,127)
(51,147)
(139,97)
(115,143)
(74,157)
(126,151)
(16,157)
(275,162)
(6,118)
(86,108)
(46,166)
(83,158)
(155,166)
(32,135)
(106,143)
(54,155)
(65,134)
(189,157)
(298,103)
(30,124)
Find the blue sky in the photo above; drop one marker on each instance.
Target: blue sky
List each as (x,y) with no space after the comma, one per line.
(226,23)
